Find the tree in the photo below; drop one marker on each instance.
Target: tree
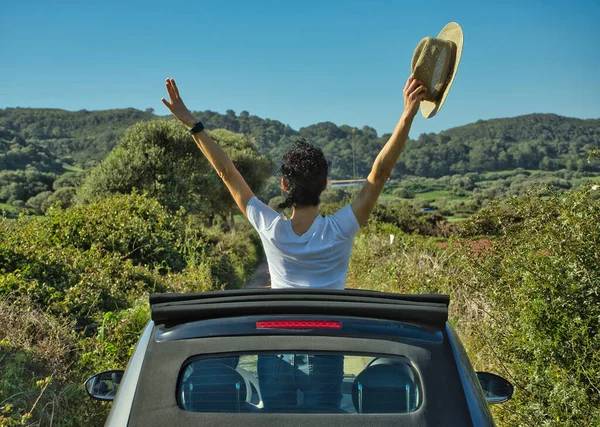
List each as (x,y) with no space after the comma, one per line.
(63,197)
(68,179)
(35,203)
(161,159)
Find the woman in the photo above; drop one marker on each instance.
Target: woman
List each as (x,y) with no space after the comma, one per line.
(308,250)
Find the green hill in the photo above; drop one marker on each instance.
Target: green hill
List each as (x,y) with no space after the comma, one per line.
(81,135)
(39,146)
(536,141)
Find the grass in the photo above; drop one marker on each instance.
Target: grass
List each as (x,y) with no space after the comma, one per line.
(456,219)
(439,194)
(384,196)
(72,168)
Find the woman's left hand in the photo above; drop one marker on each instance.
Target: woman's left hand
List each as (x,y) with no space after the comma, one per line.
(176,105)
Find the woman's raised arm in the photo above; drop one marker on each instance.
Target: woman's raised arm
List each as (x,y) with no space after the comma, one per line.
(362,206)
(239,189)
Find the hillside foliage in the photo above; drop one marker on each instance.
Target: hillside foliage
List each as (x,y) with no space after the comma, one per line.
(38,146)
(73,295)
(79,136)
(527,309)
(536,141)
(123,213)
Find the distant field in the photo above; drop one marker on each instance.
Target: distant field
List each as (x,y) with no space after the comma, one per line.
(384,196)
(456,219)
(439,194)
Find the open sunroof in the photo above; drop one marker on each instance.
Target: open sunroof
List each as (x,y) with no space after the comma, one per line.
(175,308)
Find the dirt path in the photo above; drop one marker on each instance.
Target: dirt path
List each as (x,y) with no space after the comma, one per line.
(261,279)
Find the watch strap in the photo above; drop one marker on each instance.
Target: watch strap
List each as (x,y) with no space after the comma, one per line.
(198,127)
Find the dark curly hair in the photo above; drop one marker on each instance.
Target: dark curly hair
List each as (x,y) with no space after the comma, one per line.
(304,171)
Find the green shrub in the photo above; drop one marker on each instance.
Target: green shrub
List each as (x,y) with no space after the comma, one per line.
(524,298)
(542,296)
(409,219)
(74,286)
(112,344)
(403,193)
(161,159)
(133,226)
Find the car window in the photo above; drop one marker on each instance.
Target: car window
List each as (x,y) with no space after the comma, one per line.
(300,382)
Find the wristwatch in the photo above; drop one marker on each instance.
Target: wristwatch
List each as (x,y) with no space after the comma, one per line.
(198,127)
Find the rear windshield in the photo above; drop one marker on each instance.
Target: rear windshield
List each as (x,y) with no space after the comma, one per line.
(300,383)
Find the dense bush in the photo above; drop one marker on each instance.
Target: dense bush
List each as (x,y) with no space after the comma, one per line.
(410,219)
(161,159)
(542,294)
(74,286)
(527,308)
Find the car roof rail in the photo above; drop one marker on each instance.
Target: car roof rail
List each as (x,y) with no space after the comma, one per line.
(176,308)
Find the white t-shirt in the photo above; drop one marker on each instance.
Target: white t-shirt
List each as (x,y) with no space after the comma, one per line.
(317,259)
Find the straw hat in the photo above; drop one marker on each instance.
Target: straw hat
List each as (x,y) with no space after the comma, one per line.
(435,62)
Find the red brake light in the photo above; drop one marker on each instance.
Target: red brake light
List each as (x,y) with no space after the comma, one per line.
(299,324)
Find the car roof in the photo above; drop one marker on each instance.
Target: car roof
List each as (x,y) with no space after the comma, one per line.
(155,401)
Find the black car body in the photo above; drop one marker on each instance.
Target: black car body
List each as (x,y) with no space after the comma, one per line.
(403,364)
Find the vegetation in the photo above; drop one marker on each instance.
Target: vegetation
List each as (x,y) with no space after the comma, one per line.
(161,159)
(526,308)
(39,146)
(81,137)
(538,141)
(74,277)
(73,291)
(463,195)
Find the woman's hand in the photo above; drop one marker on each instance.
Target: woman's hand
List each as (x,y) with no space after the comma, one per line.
(176,105)
(414,93)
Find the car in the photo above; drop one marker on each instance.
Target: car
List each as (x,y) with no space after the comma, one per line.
(240,357)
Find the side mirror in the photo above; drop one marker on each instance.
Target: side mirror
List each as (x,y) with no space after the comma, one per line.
(104,385)
(495,388)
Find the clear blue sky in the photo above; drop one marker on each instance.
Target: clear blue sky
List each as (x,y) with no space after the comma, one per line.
(300,62)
